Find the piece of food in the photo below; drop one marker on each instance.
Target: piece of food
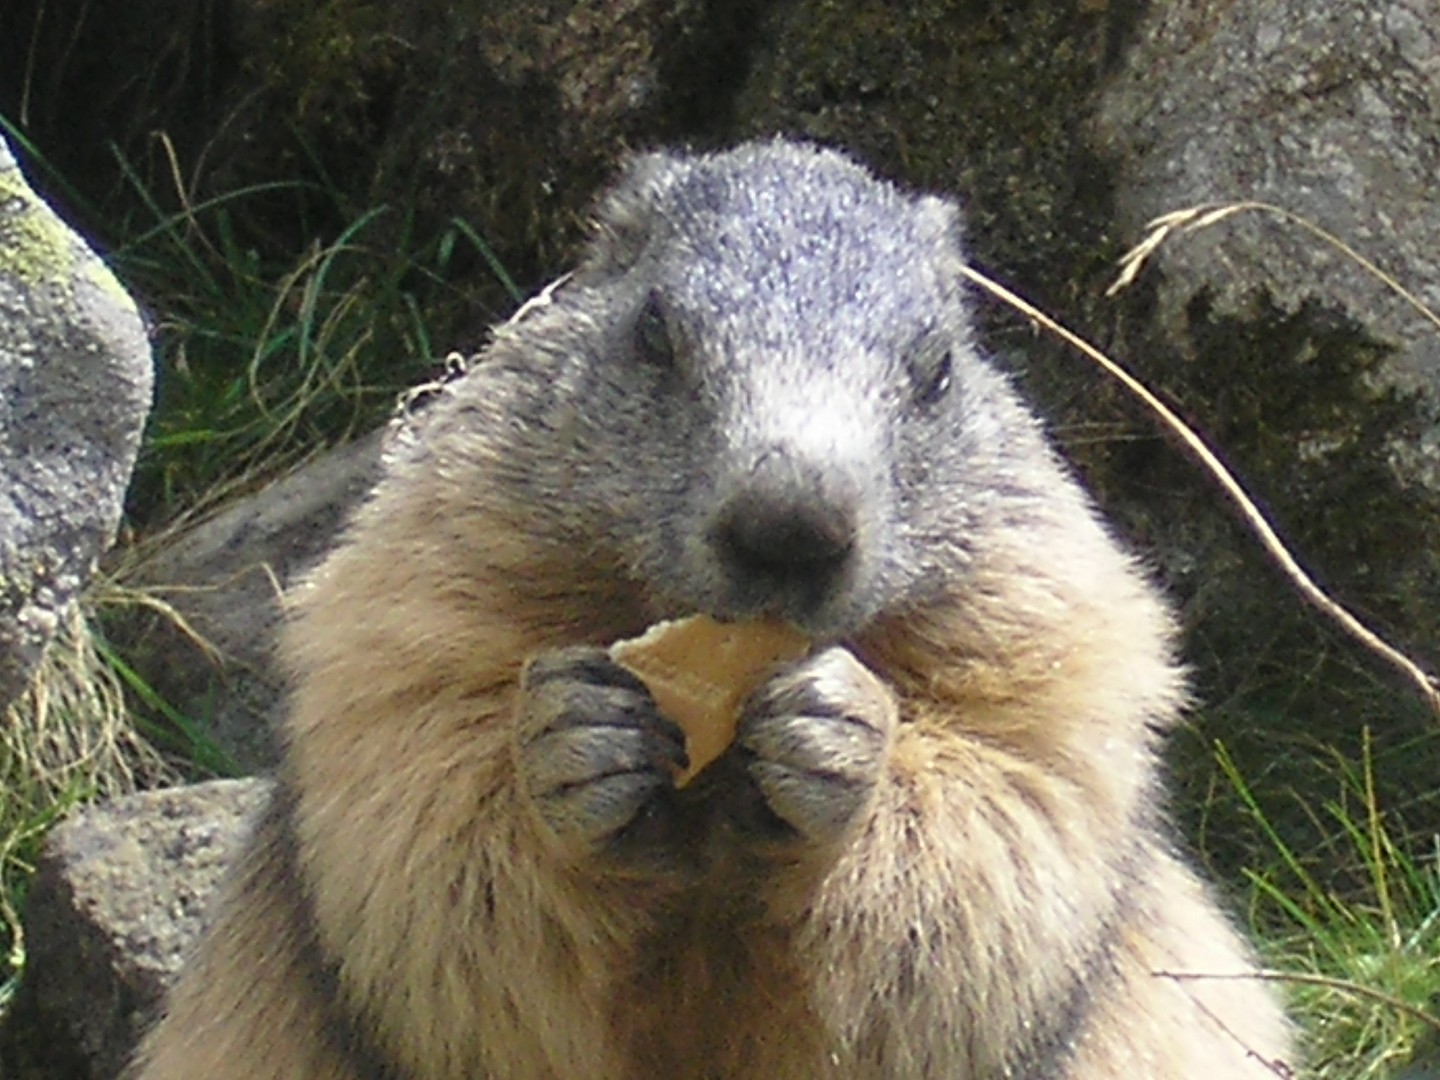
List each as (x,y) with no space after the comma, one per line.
(700,671)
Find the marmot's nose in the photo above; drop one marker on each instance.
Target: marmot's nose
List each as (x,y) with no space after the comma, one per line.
(788,524)
(792,534)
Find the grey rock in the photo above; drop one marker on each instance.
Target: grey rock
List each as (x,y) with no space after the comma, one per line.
(1331,111)
(75,386)
(118,898)
(225,577)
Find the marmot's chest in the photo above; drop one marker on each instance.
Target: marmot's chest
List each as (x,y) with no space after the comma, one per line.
(710,1000)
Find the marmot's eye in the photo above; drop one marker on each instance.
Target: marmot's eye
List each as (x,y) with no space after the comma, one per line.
(933,377)
(652,334)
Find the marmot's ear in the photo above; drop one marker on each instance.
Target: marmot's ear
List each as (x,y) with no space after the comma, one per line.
(940,219)
(625,218)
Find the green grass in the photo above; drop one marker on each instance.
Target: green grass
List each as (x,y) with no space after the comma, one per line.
(263,363)
(1361,959)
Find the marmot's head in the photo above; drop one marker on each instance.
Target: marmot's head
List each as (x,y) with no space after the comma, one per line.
(760,394)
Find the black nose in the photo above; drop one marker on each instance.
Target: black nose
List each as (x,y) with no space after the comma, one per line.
(786,534)
(787,530)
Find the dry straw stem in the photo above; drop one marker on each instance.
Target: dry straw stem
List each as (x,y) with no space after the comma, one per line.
(114,594)
(1194,218)
(70,726)
(1279,1068)
(1271,541)
(1344,986)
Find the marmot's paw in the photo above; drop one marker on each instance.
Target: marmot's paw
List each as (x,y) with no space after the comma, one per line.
(815,741)
(595,756)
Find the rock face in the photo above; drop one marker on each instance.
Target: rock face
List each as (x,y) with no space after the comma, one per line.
(117,900)
(75,383)
(1320,385)
(1331,111)
(226,578)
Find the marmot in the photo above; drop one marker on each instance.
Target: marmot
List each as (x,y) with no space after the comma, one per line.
(935,849)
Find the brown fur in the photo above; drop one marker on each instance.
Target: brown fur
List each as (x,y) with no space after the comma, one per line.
(1006,906)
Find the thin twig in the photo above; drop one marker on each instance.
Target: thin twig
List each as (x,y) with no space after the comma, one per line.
(1280,1068)
(1328,982)
(1251,513)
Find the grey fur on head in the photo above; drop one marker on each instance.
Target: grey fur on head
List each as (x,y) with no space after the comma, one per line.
(765,372)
